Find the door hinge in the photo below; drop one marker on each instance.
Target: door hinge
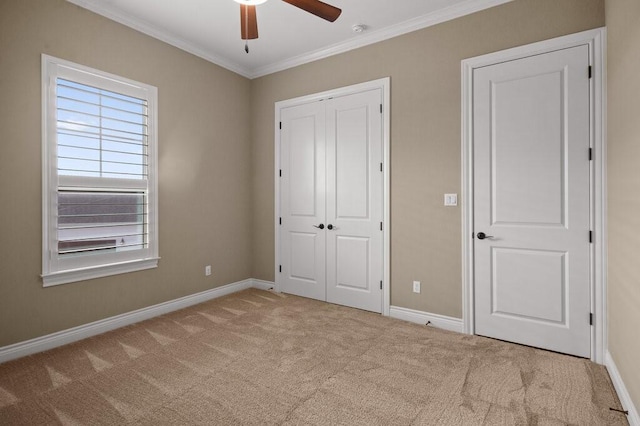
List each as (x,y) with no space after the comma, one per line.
(281,125)
(380,166)
(380,108)
(280,221)
(590,154)
(590,318)
(590,71)
(590,236)
(381,226)
(280,268)
(380,284)
(280,172)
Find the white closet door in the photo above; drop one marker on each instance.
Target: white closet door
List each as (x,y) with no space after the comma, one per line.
(302,200)
(531,199)
(354,200)
(331,200)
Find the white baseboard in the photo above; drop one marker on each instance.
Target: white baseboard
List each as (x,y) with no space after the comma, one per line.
(262,284)
(621,389)
(420,317)
(74,334)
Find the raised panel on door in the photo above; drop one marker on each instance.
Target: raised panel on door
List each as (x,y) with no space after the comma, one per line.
(531,195)
(528,150)
(302,201)
(302,263)
(354,200)
(522,275)
(352,262)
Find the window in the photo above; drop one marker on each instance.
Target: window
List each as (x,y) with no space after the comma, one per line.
(99,173)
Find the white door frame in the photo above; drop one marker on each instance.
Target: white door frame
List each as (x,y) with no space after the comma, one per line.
(596,40)
(385,85)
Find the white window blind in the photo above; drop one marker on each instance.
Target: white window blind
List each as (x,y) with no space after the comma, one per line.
(99,196)
(100,134)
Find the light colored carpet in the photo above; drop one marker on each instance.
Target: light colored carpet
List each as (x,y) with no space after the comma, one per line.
(257,357)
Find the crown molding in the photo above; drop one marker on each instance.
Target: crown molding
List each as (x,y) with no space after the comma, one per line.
(420,22)
(150,30)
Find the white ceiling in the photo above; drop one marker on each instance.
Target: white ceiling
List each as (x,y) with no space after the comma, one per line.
(288,36)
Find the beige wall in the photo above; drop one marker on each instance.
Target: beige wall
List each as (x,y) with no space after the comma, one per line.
(204,150)
(216,154)
(424,67)
(216,158)
(623,145)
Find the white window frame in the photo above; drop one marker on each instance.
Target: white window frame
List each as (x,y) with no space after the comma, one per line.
(60,271)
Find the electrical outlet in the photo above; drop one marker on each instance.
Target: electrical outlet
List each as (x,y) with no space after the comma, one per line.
(416,286)
(207,270)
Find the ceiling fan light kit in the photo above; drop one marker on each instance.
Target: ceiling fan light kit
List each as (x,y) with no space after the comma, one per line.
(249,22)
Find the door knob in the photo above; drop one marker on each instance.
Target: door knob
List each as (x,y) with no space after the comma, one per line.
(482,235)
(329,227)
(321,226)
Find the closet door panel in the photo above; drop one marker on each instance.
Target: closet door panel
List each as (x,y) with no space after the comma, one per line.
(302,201)
(354,200)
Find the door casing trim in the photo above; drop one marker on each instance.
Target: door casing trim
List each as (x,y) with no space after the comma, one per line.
(385,85)
(596,40)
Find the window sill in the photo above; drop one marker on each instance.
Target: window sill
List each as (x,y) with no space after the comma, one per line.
(74,275)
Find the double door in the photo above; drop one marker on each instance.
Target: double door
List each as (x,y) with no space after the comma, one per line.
(331,200)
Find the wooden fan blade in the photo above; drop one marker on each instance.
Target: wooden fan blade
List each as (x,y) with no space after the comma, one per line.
(318,8)
(248,22)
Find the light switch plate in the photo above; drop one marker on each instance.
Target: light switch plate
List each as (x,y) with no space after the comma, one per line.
(450,199)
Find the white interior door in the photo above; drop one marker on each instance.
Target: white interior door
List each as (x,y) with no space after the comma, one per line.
(531,144)
(331,200)
(302,201)
(354,200)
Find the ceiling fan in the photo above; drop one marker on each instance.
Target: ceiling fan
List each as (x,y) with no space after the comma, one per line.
(249,23)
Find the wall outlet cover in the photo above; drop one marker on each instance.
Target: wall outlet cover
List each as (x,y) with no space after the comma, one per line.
(450,199)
